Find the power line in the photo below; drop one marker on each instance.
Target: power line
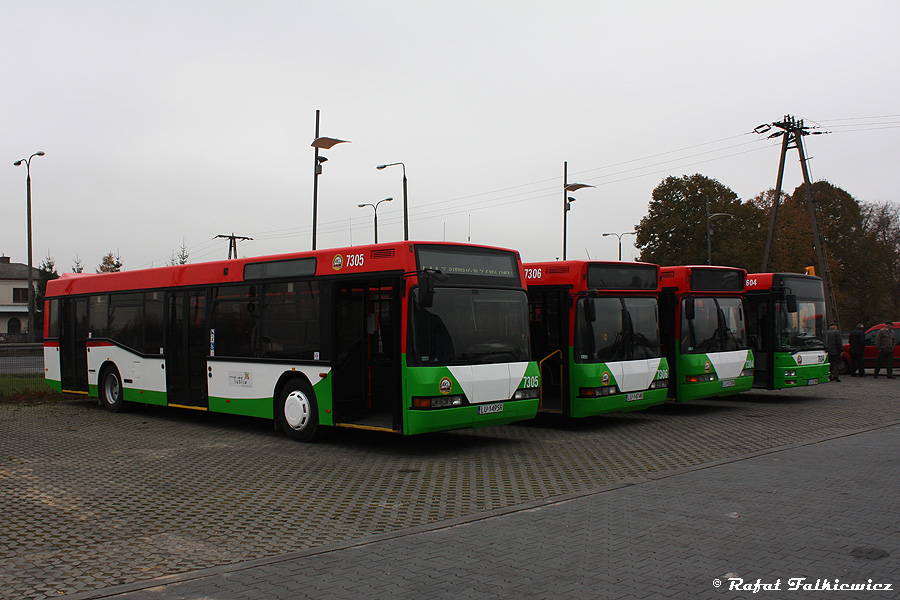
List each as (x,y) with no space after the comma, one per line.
(437,210)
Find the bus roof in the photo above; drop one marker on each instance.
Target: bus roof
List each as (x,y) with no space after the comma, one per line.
(331,261)
(704,278)
(578,274)
(765,281)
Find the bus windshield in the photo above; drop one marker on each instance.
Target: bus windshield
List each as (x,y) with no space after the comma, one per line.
(804,329)
(717,326)
(622,329)
(469,326)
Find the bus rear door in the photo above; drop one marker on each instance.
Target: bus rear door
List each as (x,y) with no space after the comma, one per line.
(73,333)
(187,347)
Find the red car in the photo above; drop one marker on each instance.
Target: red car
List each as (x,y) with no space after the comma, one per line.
(871,353)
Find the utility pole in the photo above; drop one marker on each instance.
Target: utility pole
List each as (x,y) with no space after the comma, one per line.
(232,243)
(792,131)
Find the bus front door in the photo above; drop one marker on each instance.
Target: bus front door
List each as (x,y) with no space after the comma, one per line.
(549,343)
(73,345)
(367,355)
(187,347)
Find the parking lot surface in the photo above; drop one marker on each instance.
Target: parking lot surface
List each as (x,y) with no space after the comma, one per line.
(160,503)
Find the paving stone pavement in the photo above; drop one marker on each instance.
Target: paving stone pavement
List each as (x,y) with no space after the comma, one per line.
(651,504)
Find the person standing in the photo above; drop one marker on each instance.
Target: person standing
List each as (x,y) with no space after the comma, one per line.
(834,344)
(857,351)
(884,343)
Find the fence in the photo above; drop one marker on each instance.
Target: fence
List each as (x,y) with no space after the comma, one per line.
(21,369)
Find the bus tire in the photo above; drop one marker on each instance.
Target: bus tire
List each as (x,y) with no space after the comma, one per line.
(297,411)
(845,366)
(111,393)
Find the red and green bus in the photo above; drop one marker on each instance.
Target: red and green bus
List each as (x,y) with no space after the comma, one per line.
(595,335)
(406,337)
(703,331)
(786,329)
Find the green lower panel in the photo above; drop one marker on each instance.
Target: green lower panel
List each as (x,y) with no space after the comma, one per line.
(809,375)
(54,385)
(588,407)
(711,389)
(143,396)
(253,407)
(444,419)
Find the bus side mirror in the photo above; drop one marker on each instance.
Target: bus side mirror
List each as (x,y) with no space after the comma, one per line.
(791,301)
(590,311)
(426,290)
(426,286)
(689,309)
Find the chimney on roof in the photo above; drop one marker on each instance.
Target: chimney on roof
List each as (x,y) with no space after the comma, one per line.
(4,260)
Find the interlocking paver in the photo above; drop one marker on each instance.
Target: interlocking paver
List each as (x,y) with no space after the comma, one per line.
(95,499)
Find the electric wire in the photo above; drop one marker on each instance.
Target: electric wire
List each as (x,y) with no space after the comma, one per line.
(437,210)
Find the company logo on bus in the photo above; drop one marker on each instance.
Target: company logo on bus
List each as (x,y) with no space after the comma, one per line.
(337,262)
(799,359)
(446,385)
(707,367)
(604,379)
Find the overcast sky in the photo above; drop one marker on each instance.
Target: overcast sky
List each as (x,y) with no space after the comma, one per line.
(169,121)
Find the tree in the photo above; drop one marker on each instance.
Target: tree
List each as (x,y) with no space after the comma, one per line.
(182,257)
(861,245)
(47,273)
(78,265)
(110,264)
(675,230)
(880,251)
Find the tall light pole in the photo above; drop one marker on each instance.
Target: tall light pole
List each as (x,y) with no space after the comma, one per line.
(567,200)
(375,206)
(405,208)
(27,162)
(708,218)
(619,235)
(325,143)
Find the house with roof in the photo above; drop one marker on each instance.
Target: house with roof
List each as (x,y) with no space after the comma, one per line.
(14,298)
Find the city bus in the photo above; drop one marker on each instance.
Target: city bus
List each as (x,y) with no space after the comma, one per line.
(703,332)
(786,329)
(595,335)
(406,337)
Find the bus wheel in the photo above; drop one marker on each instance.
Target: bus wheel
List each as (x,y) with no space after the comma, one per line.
(297,412)
(111,390)
(845,367)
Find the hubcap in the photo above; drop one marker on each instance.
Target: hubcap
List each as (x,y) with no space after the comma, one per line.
(297,410)
(112,389)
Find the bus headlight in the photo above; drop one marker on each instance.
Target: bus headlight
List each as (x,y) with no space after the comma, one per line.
(790,373)
(527,393)
(659,383)
(700,378)
(438,401)
(747,373)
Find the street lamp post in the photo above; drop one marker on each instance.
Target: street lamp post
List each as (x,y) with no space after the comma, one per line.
(375,206)
(27,162)
(708,218)
(567,200)
(619,235)
(325,143)
(405,208)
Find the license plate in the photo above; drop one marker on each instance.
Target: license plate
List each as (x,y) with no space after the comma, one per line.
(813,382)
(728,383)
(634,396)
(486,409)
